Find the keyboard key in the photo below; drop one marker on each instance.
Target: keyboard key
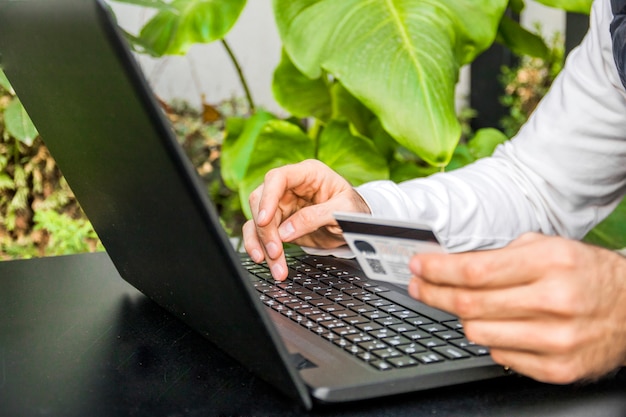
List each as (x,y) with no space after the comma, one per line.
(477,350)
(403,361)
(411,348)
(431,343)
(416,334)
(433,327)
(448,335)
(396,340)
(387,353)
(373,345)
(454,325)
(381,365)
(452,352)
(428,358)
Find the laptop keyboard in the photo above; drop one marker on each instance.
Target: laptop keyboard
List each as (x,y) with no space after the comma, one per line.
(361,316)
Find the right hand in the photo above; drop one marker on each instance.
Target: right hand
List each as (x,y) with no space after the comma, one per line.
(295,204)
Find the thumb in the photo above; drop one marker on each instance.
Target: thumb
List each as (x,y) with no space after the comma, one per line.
(307,220)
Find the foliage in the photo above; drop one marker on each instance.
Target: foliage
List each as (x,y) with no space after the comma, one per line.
(201,135)
(611,232)
(66,234)
(371,75)
(38,213)
(526,84)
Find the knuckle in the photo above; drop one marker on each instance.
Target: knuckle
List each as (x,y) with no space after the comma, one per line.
(498,356)
(566,256)
(563,300)
(472,332)
(426,293)
(464,303)
(563,341)
(564,371)
(474,274)
(255,195)
(271,174)
(307,217)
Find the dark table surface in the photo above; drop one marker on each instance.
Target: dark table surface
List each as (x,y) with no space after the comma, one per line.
(76,340)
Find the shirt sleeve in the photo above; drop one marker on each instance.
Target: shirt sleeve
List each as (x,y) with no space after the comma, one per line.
(562,173)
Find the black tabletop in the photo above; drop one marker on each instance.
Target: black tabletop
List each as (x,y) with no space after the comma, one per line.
(76,340)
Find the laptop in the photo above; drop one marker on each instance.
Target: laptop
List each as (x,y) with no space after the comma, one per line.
(79,82)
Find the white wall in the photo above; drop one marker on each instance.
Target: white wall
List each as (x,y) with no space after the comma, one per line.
(207,69)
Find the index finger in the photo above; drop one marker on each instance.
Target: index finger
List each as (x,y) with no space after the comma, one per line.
(275,184)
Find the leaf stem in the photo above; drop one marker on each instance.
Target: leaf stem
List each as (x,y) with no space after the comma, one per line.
(242,78)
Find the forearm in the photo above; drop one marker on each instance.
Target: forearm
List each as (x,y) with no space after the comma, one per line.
(476,207)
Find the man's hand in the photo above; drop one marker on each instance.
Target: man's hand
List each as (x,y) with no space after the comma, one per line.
(296,204)
(550,308)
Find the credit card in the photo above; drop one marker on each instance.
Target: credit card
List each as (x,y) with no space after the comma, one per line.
(383,247)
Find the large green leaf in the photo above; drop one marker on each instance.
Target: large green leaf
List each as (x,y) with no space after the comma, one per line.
(485,141)
(399,57)
(517,6)
(521,41)
(4,82)
(577,6)
(156,4)
(356,158)
(348,108)
(239,146)
(173,31)
(278,143)
(610,233)
(298,94)
(18,123)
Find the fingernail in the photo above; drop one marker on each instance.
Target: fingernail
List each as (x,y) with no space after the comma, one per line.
(278,271)
(286,230)
(256,255)
(272,250)
(415,266)
(262,216)
(414,288)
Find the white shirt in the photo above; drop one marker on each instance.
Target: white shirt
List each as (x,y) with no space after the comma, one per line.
(562,173)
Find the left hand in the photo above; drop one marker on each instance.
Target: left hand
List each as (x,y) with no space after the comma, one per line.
(550,308)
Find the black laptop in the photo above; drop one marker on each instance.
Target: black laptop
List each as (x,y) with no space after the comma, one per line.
(327,334)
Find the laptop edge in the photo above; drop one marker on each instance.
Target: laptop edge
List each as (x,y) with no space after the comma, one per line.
(239,325)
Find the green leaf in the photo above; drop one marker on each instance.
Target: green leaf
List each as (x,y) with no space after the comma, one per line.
(4,82)
(485,142)
(155,4)
(384,142)
(278,143)
(611,232)
(517,6)
(298,94)
(408,170)
(187,22)
(401,59)
(239,146)
(576,6)
(348,108)
(354,157)
(18,124)
(462,157)
(521,41)
(6,182)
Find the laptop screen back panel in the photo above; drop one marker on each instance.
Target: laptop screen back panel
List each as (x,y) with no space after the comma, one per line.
(132,180)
